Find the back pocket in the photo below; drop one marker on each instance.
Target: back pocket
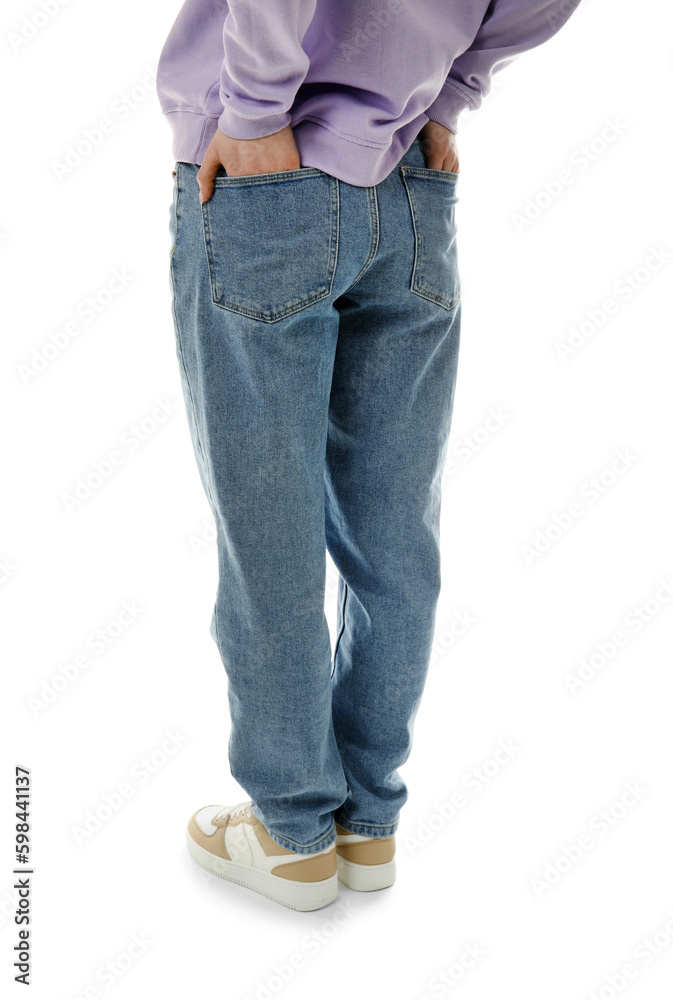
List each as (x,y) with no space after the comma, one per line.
(432,200)
(271,241)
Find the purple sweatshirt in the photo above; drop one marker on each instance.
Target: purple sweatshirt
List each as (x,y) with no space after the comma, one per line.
(356,79)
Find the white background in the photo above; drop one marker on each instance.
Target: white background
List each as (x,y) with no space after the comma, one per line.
(467,879)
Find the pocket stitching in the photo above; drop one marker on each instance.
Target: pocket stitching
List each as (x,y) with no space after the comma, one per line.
(296,173)
(417,285)
(292,307)
(448,175)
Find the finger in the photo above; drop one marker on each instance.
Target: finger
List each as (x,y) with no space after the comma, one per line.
(435,161)
(206,175)
(434,153)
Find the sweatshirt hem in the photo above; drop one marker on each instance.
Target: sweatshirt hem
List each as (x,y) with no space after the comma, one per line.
(192,133)
(319,146)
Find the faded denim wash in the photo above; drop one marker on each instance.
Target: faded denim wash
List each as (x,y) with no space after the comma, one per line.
(317,329)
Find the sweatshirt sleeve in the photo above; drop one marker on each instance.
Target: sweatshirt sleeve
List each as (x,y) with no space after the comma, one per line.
(264,64)
(509,28)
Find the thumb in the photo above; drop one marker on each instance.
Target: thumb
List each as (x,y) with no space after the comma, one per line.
(206,175)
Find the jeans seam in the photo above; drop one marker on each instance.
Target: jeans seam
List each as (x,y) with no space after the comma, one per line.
(188,383)
(335,214)
(343,626)
(373,202)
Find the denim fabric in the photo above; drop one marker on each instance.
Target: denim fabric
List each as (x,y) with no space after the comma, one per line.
(317,328)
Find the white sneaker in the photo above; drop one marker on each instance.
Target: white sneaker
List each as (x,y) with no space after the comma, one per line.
(365,863)
(231,842)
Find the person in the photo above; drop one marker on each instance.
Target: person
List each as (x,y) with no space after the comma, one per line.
(317,309)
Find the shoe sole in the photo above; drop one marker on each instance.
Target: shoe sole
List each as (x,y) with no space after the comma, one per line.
(302,896)
(365,878)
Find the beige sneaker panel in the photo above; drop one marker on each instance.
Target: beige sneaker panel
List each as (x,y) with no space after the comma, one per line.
(376,851)
(314,868)
(214,842)
(271,848)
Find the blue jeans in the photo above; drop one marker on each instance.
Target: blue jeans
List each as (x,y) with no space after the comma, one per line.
(317,327)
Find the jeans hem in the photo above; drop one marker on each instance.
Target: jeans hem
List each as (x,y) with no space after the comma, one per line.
(320,844)
(366,829)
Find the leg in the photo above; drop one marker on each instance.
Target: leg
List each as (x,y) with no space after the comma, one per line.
(256,335)
(390,411)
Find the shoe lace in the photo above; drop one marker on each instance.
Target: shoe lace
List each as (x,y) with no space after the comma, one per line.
(242,808)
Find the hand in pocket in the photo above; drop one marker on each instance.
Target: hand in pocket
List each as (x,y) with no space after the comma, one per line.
(244,157)
(439,147)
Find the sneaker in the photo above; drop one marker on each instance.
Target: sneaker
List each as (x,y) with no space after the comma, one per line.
(231,842)
(365,863)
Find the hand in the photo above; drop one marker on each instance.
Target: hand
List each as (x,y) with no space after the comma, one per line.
(439,147)
(239,157)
